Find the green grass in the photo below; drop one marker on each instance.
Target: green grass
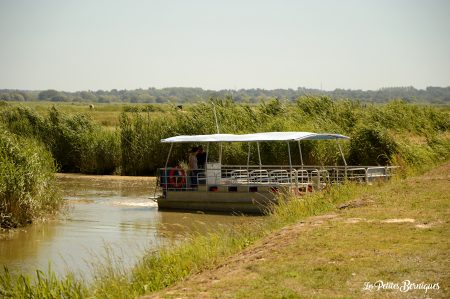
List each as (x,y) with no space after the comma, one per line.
(333,257)
(44,285)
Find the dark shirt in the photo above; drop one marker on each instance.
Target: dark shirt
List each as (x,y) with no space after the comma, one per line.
(201,160)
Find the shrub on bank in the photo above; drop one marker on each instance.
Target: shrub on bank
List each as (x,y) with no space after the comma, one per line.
(371,146)
(77,144)
(27,181)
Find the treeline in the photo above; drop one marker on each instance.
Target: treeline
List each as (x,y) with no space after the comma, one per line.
(394,133)
(179,95)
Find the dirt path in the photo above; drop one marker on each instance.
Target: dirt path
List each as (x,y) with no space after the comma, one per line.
(338,253)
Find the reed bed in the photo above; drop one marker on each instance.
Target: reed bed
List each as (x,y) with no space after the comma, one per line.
(27,181)
(381,134)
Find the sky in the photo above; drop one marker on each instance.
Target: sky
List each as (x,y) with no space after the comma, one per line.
(112,44)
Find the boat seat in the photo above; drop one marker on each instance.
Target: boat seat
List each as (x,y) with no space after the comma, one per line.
(301,175)
(279,176)
(320,178)
(201,178)
(357,174)
(374,173)
(322,173)
(336,175)
(239,176)
(259,176)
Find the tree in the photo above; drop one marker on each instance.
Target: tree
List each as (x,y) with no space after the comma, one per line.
(47,94)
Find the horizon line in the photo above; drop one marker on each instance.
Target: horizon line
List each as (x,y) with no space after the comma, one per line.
(223,89)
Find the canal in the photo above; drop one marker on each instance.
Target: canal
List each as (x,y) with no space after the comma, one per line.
(103,214)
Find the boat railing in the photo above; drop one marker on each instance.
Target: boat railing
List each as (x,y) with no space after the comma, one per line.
(301,176)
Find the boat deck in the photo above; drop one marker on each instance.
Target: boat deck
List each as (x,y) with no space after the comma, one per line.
(228,178)
(228,187)
(252,189)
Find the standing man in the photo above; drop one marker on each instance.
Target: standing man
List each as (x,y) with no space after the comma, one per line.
(201,158)
(193,167)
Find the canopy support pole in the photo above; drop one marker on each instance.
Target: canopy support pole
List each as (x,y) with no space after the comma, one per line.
(290,167)
(343,158)
(248,156)
(289,153)
(207,154)
(259,155)
(300,151)
(342,154)
(215,118)
(218,132)
(168,156)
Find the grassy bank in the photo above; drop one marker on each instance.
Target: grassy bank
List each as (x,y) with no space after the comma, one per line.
(392,233)
(328,256)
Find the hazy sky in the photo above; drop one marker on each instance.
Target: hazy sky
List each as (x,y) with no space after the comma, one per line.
(93,44)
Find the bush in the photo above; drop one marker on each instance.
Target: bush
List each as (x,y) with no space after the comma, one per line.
(140,140)
(27,184)
(371,146)
(100,152)
(76,143)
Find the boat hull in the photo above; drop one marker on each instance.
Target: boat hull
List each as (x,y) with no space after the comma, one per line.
(238,202)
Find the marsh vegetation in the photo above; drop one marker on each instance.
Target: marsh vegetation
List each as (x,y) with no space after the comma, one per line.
(397,132)
(416,137)
(73,136)
(27,183)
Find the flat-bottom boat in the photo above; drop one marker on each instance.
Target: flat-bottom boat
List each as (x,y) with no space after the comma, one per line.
(252,188)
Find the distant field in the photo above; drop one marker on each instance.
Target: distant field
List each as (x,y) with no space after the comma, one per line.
(108,114)
(105,114)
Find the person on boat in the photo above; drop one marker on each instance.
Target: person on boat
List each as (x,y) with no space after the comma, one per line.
(201,158)
(193,166)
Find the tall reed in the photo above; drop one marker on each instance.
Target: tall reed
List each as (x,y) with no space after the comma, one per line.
(44,285)
(378,132)
(381,134)
(27,182)
(77,144)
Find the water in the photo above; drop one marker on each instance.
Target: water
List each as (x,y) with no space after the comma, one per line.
(103,213)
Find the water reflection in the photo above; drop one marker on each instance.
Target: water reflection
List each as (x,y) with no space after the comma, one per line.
(102,211)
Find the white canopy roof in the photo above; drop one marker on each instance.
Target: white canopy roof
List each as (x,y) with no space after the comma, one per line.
(267,136)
